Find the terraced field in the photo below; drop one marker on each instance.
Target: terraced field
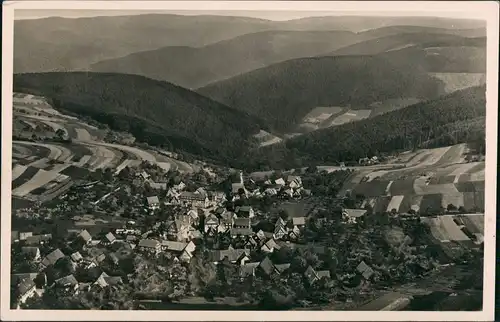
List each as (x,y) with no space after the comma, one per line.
(432,180)
(43,170)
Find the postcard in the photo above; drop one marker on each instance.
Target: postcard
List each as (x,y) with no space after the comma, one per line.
(249,160)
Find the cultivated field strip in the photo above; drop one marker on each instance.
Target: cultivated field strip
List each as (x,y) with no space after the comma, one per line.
(454,154)
(17,171)
(445,229)
(55,151)
(395,203)
(474,222)
(83,134)
(83,161)
(456,200)
(41,178)
(55,126)
(40,163)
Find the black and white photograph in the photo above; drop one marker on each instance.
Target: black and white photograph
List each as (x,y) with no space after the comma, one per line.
(281,159)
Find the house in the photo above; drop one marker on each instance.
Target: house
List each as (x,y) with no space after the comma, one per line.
(153,203)
(177,247)
(280,182)
(145,175)
(211,223)
(26,289)
(242,223)
(282,267)
(365,270)
(280,229)
(350,215)
(250,244)
(323,274)
(104,280)
(271,192)
(266,267)
(178,229)
(245,212)
(248,269)
(261,235)
(226,221)
(14,236)
(194,233)
(33,253)
(194,199)
(108,239)
(270,246)
(239,256)
(25,235)
(85,236)
(38,239)
(52,258)
(69,283)
(244,232)
(217,197)
(180,186)
(76,257)
(298,222)
(295,233)
(287,193)
(158,185)
(311,275)
(149,246)
(193,214)
(294,182)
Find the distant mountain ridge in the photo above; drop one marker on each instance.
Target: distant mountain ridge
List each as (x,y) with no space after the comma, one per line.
(61,44)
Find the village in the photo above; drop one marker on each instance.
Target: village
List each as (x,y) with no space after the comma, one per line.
(143,235)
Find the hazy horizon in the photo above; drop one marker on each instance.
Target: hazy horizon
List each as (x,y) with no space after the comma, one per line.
(32,14)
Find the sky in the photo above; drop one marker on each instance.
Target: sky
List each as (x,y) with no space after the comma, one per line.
(270,15)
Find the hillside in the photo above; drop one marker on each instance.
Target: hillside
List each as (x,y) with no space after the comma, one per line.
(451,119)
(404,40)
(196,67)
(284,93)
(156,112)
(61,44)
(407,28)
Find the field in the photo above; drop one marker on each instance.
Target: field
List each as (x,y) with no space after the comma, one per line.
(450,228)
(350,116)
(43,170)
(457,81)
(431,180)
(265,138)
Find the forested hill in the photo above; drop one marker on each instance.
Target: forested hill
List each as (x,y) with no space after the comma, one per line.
(284,93)
(454,118)
(156,112)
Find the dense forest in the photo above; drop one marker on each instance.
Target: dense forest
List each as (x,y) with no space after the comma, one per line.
(155,112)
(282,94)
(451,119)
